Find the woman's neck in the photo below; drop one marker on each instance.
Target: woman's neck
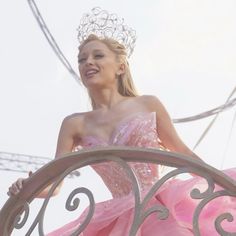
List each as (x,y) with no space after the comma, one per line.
(106,99)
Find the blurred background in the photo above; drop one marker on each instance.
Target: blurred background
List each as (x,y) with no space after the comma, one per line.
(185,54)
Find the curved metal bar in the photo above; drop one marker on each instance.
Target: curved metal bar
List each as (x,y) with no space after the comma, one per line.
(45,176)
(196,193)
(52,42)
(219,219)
(87,192)
(39,218)
(160,182)
(131,174)
(136,191)
(213,120)
(75,205)
(162,210)
(19,223)
(163,213)
(228,104)
(64,61)
(83,225)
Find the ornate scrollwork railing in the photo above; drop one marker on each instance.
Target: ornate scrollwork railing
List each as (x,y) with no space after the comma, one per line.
(16,210)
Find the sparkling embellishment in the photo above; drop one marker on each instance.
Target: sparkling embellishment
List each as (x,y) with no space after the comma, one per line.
(106,25)
(140,131)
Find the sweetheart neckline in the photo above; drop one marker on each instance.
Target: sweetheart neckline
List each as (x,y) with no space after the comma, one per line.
(123,121)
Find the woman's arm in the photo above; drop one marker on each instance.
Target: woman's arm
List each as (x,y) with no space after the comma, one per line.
(166,130)
(64,145)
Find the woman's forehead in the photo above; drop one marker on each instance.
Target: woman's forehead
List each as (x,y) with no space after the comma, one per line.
(94,45)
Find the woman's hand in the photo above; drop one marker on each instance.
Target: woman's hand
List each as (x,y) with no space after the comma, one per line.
(15,188)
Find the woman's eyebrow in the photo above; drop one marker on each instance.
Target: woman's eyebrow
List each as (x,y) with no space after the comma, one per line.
(98,50)
(94,51)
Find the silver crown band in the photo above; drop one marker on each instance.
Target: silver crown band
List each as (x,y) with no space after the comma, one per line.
(105,25)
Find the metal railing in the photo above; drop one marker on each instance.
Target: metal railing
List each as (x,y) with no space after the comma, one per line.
(16,210)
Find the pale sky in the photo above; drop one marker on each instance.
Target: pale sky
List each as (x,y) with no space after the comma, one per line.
(185,54)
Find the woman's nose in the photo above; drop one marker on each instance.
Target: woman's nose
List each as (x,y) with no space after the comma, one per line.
(89,60)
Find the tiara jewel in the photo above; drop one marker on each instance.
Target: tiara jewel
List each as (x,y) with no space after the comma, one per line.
(105,25)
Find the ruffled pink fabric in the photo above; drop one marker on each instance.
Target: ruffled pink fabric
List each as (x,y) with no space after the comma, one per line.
(115,217)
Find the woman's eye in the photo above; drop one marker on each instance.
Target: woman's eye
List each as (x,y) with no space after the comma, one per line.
(99,56)
(81,60)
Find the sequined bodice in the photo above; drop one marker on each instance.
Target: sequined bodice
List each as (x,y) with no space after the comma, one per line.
(137,131)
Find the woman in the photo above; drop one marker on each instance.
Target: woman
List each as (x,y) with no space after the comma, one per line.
(121,117)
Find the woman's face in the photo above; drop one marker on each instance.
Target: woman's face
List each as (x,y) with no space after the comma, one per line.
(98,65)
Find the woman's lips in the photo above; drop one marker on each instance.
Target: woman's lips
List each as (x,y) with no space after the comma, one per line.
(90,73)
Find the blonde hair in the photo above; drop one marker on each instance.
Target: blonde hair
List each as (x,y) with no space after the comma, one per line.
(125,82)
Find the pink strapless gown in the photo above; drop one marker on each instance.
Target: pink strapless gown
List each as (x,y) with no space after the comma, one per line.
(114,217)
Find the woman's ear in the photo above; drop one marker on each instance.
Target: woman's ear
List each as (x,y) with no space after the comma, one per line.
(121,69)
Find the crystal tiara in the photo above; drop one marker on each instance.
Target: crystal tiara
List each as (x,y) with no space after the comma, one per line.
(105,25)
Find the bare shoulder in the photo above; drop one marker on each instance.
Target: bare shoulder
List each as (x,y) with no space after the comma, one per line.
(150,101)
(74,122)
(75,117)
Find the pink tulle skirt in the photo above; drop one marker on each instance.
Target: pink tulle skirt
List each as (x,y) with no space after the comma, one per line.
(115,217)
